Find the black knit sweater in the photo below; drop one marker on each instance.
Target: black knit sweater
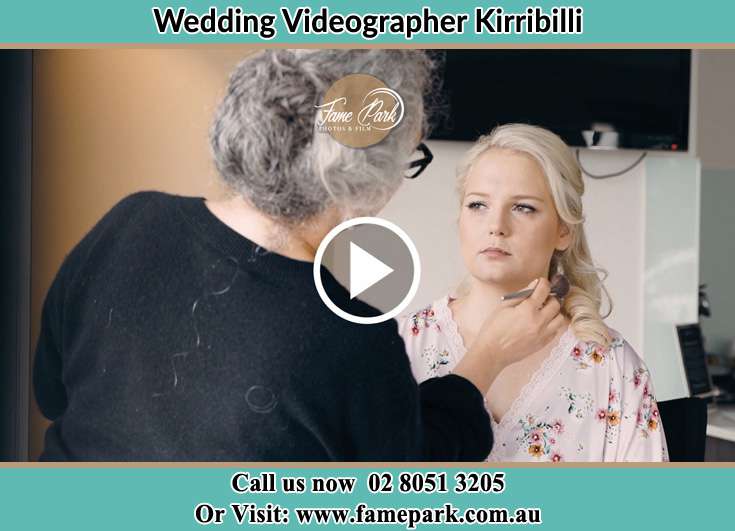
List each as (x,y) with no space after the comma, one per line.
(166,335)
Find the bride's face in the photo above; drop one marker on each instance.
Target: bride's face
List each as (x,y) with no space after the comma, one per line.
(508,225)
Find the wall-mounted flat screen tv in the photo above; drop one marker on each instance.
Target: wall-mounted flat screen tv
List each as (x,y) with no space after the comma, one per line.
(636,99)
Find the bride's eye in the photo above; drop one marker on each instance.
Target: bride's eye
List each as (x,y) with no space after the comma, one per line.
(475,205)
(523,208)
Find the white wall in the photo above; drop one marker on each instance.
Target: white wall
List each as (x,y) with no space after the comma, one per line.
(717,257)
(671,277)
(614,210)
(427,209)
(715,104)
(716,147)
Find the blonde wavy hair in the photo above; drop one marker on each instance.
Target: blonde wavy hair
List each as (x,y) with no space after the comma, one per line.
(582,304)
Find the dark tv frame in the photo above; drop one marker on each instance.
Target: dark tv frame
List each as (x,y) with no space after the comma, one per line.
(688,73)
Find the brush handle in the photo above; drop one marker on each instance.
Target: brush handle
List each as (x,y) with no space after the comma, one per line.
(524,294)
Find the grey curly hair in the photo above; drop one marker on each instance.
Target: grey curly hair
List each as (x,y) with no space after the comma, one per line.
(266,147)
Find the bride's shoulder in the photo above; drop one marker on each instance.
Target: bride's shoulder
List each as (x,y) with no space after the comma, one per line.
(427,320)
(429,340)
(617,352)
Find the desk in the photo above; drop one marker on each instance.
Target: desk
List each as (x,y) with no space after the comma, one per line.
(720,433)
(721,422)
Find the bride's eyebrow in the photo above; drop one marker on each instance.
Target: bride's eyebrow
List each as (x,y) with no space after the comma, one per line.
(522,196)
(514,198)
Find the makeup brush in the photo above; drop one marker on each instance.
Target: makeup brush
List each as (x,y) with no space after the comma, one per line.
(559,289)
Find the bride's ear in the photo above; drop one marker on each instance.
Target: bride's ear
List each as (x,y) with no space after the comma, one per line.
(564,238)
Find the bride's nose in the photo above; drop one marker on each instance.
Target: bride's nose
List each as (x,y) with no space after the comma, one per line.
(498,223)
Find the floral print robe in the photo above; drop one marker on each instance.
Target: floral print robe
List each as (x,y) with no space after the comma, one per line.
(583,403)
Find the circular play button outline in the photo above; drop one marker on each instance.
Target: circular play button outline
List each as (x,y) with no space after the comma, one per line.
(398,231)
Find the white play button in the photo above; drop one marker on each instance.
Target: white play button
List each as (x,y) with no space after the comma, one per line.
(365,270)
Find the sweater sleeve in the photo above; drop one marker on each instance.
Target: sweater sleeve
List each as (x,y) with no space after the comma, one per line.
(443,419)
(47,381)
(456,425)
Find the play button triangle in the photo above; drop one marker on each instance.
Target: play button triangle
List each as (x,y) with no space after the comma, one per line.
(365,270)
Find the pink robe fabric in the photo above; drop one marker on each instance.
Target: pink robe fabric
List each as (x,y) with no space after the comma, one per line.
(583,403)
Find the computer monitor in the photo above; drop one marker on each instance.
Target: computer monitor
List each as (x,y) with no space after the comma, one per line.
(695,363)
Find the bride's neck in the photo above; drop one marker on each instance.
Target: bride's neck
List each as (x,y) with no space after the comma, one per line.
(470,310)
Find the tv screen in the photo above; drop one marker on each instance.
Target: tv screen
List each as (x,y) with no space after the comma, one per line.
(641,95)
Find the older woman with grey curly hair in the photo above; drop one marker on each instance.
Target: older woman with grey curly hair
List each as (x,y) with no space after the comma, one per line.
(185,329)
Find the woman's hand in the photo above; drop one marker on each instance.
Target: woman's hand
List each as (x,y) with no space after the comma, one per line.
(516,330)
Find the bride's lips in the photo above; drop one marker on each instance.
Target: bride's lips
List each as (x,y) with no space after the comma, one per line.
(495,252)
